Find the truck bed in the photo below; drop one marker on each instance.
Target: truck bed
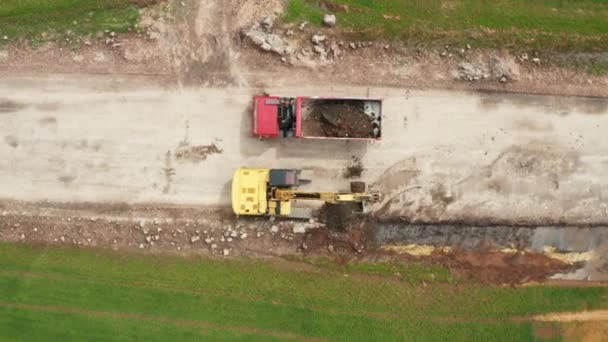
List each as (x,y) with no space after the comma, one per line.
(341,118)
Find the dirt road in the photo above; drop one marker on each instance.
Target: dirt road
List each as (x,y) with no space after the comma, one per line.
(446,156)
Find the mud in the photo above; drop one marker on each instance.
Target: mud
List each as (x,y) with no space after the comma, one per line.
(336,118)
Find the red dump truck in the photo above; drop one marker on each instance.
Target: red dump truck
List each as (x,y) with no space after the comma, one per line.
(317,118)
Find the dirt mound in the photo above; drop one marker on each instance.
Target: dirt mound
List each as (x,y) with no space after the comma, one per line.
(503,268)
(337,118)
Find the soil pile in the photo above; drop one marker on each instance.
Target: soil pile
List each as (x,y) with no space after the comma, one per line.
(337,118)
(196,153)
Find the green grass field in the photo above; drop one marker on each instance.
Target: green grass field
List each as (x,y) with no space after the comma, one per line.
(31,18)
(522,24)
(58,294)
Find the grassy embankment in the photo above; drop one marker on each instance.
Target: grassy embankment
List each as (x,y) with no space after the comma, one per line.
(51,19)
(569,29)
(57,294)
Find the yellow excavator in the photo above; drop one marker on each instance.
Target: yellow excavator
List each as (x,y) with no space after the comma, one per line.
(271,192)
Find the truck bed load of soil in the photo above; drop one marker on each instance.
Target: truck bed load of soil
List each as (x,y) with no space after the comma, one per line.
(336,118)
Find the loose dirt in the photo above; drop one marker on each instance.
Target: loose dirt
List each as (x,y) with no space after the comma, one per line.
(354,169)
(196,153)
(335,118)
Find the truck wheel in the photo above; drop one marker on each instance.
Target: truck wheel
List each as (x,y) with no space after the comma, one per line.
(357,187)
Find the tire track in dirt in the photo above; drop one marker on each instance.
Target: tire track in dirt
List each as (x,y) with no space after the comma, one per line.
(156,319)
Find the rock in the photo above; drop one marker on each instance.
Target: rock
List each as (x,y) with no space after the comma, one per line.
(319,49)
(159,229)
(304,246)
(207,240)
(22,236)
(243,236)
(303,25)
(222,238)
(536,60)
(524,57)
(274,229)
(179,248)
(470,71)
(141,246)
(148,239)
(318,39)
(229,239)
(156,237)
(62,238)
(468,46)
(234,234)
(329,20)
(268,41)
(213,246)
(268,22)
(505,68)
(194,238)
(299,228)
(352,46)
(330,248)
(226,252)
(35,229)
(283,59)
(112,34)
(289,33)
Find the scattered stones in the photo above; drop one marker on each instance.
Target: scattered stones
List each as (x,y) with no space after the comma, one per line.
(470,71)
(208,240)
(274,229)
(330,248)
(352,46)
(503,79)
(194,238)
(329,20)
(229,239)
(524,57)
(303,25)
(141,246)
(226,252)
(213,246)
(536,60)
(148,239)
(243,236)
(468,46)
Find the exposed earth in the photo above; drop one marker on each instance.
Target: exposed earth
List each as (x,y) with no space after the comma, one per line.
(129,142)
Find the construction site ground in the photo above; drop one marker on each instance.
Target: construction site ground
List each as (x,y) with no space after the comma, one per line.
(130,146)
